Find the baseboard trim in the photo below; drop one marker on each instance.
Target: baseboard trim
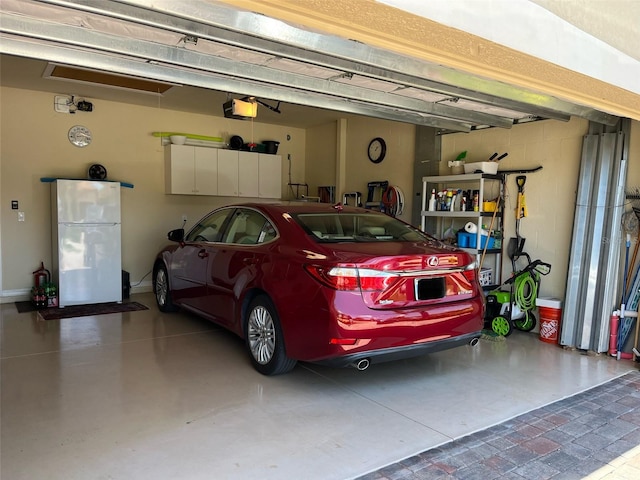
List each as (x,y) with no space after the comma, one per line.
(24,294)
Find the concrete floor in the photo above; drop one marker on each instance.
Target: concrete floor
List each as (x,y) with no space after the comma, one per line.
(170,396)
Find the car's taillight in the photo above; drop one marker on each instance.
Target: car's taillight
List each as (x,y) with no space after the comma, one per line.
(471,272)
(352,278)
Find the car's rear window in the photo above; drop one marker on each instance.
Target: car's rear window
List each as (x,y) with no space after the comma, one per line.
(358,227)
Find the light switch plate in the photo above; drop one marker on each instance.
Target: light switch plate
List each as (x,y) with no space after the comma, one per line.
(21,216)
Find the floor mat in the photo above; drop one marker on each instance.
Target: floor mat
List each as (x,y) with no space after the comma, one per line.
(24,307)
(88,310)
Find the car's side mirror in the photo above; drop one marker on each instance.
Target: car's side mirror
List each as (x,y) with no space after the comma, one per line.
(176,235)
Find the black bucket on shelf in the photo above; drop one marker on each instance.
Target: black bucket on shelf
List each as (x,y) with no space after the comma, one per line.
(271,146)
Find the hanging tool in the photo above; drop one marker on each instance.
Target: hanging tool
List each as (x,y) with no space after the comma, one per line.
(393,201)
(521,209)
(516,245)
(493,158)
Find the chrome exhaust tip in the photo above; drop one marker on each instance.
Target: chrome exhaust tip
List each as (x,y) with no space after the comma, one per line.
(474,342)
(362,364)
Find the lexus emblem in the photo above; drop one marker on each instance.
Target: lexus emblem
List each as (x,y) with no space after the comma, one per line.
(433,261)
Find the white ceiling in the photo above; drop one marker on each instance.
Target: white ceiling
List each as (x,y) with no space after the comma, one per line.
(214,50)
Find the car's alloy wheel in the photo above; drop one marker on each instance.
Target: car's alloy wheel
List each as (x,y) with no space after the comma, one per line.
(264,338)
(161,289)
(262,335)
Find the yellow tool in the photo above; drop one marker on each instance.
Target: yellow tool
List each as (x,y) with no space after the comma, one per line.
(521,209)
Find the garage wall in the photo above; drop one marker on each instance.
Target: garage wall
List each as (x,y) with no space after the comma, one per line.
(321,157)
(34,144)
(550,193)
(397,166)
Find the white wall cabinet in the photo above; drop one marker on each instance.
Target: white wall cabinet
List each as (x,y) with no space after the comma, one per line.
(194,170)
(249,174)
(191,170)
(228,174)
(270,176)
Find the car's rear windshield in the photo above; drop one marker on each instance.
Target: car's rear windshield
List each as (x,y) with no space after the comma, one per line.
(358,227)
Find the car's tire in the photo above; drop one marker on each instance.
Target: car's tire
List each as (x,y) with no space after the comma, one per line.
(162,290)
(264,339)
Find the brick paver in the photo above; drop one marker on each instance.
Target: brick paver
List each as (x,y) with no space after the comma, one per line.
(595,434)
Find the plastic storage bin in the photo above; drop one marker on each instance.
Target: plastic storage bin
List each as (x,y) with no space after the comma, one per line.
(470,240)
(484,167)
(486,276)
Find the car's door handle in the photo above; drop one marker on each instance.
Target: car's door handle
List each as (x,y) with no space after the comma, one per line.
(250,261)
(203,254)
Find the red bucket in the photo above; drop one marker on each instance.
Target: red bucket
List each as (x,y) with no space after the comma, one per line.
(549,324)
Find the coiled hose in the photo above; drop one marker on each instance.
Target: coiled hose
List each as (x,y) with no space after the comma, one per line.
(525,291)
(393,201)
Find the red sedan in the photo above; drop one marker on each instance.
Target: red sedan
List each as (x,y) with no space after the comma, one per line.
(320,283)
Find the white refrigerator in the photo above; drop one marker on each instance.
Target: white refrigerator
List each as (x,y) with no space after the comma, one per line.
(87,253)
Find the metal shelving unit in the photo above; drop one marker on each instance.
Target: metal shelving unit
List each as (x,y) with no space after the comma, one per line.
(489,188)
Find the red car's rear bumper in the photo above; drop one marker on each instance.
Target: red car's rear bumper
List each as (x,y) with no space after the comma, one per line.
(344,330)
(397,353)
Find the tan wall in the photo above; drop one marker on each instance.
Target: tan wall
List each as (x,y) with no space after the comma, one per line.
(550,193)
(396,168)
(34,144)
(321,157)
(633,174)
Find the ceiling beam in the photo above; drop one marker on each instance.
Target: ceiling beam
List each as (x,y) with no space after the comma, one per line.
(266,34)
(127,66)
(247,30)
(175,57)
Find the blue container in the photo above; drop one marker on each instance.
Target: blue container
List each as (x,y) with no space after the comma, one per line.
(470,240)
(463,240)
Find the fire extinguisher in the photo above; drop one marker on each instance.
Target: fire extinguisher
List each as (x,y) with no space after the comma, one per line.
(41,279)
(42,276)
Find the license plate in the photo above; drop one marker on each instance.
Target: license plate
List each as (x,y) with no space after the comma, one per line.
(430,288)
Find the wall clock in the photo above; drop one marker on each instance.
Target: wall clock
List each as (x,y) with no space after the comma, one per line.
(377,150)
(80,136)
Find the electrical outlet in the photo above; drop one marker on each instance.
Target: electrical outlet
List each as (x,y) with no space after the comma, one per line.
(21,216)
(184,217)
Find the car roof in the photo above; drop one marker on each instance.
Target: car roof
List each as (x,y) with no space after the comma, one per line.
(294,207)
